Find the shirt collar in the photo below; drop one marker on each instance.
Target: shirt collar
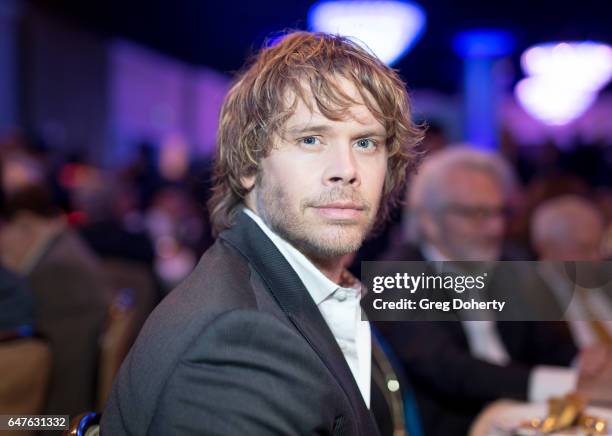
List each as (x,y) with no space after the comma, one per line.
(319,286)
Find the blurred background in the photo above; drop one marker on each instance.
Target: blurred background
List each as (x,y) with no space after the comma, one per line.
(108,115)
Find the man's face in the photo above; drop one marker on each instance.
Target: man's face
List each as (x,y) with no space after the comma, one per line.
(320,187)
(470,226)
(580,242)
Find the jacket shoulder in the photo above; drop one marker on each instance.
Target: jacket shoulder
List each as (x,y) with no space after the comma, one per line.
(219,284)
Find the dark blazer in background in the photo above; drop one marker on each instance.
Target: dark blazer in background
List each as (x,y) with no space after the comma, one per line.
(70,308)
(451,385)
(239,348)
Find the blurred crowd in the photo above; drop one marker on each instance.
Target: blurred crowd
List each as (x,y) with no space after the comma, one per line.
(87,252)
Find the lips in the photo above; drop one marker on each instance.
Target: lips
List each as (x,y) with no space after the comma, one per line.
(340,210)
(341,205)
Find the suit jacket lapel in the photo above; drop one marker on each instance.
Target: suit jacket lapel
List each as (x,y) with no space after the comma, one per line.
(291,294)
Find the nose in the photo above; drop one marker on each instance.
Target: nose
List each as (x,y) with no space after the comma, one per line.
(341,167)
(494,225)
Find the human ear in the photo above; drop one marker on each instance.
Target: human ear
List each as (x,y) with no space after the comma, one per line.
(248,182)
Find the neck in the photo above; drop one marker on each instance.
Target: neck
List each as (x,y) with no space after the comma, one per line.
(331,267)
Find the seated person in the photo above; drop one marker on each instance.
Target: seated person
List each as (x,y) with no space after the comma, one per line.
(25,361)
(570,228)
(16,306)
(70,298)
(457,200)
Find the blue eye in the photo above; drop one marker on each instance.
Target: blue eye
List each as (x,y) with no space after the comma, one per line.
(310,140)
(366,144)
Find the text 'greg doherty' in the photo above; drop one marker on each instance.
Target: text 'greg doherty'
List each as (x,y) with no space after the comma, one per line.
(412,283)
(444,306)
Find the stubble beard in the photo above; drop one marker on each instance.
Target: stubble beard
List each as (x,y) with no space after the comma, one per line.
(330,240)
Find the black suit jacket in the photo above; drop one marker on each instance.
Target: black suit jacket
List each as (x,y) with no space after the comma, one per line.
(239,348)
(451,385)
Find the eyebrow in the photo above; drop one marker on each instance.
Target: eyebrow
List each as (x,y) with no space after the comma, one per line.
(322,128)
(316,128)
(370,133)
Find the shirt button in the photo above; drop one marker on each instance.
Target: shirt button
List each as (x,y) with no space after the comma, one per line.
(340,295)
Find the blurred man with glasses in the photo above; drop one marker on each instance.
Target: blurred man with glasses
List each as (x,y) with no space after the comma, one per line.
(457,206)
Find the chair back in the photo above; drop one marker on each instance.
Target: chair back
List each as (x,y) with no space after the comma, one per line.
(26,365)
(133,297)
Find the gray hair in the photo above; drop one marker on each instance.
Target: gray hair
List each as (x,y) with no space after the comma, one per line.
(427,189)
(556,217)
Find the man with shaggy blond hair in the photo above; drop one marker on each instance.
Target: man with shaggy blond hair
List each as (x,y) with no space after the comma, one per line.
(265,336)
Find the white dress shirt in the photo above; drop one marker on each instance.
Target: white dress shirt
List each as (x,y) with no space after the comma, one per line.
(339,306)
(486,344)
(577,314)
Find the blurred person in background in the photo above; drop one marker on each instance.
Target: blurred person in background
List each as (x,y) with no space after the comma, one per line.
(16,300)
(16,306)
(456,208)
(105,204)
(457,211)
(25,361)
(568,228)
(174,223)
(571,229)
(115,231)
(70,297)
(25,358)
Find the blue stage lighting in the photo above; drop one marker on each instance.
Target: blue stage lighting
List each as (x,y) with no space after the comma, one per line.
(387,28)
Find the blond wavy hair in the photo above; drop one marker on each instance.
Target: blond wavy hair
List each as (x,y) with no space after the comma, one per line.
(307,65)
